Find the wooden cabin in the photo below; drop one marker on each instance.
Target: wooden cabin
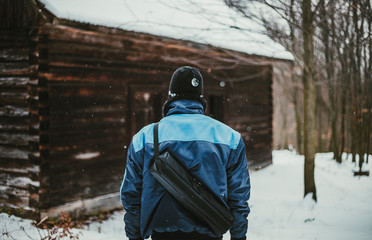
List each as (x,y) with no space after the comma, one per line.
(73,94)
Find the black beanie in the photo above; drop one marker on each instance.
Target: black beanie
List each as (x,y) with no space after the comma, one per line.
(186,83)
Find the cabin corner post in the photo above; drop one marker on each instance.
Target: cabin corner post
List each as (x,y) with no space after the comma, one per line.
(43,119)
(34,123)
(270,78)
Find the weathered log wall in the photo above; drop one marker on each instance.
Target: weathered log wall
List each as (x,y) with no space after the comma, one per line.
(19,139)
(251,114)
(87,106)
(89,75)
(73,95)
(21,111)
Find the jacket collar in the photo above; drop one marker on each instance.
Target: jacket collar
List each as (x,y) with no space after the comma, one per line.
(185,107)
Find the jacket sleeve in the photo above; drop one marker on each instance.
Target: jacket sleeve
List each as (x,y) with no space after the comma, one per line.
(130,193)
(238,190)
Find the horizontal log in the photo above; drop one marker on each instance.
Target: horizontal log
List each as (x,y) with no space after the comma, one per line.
(127,75)
(15,128)
(14,54)
(13,111)
(17,139)
(19,123)
(10,153)
(98,57)
(69,195)
(86,177)
(264,138)
(249,119)
(22,170)
(78,126)
(84,89)
(91,103)
(13,95)
(84,206)
(15,81)
(123,41)
(89,62)
(13,192)
(14,196)
(75,111)
(14,35)
(86,140)
(87,152)
(14,68)
(71,127)
(16,99)
(73,117)
(263,147)
(89,132)
(86,123)
(248,100)
(250,110)
(73,70)
(108,160)
(259,127)
(58,47)
(13,172)
(250,94)
(22,183)
(16,42)
(153,45)
(59,32)
(250,89)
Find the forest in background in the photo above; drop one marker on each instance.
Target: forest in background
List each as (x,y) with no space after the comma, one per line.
(341,70)
(330,82)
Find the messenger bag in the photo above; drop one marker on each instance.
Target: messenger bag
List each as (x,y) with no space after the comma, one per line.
(194,195)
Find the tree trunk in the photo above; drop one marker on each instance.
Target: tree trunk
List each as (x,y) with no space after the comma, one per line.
(309,98)
(368,71)
(299,122)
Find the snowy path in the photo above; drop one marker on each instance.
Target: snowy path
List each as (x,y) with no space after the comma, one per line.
(278,210)
(343,210)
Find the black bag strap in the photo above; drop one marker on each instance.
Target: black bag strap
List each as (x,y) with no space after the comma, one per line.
(156,140)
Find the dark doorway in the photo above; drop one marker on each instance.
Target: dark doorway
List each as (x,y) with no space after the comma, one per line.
(146,105)
(215,106)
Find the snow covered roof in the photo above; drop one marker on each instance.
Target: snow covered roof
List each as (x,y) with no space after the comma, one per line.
(208,22)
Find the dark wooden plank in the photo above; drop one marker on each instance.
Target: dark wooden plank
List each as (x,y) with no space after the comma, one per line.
(7,153)
(76,126)
(17,139)
(79,154)
(78,193)
(14,54)
(14,68)
(110,167)
(86,140)
(13,81)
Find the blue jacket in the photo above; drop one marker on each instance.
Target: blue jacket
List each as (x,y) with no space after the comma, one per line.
(209,149)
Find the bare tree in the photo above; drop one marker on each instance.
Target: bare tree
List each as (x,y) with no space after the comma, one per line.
(297,35)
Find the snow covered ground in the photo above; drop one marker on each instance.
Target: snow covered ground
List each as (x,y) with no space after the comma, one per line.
(278,209)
